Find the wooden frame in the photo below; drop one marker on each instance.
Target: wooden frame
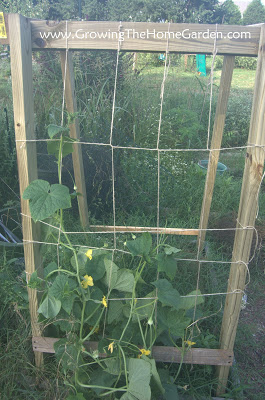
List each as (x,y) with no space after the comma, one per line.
(24,36)
(159,353)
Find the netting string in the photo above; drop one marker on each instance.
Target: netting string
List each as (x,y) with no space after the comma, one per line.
(147,229)
(62,121)
(24,141)
(211,89)
(113,173)
(162,91)
(203,205)
(113,147)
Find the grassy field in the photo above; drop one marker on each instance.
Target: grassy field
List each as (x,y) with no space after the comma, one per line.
(185,124)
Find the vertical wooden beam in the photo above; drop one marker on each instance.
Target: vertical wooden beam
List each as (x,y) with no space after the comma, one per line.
(70,98)
(247,213)
(134,68)
(224,90)
(21,71)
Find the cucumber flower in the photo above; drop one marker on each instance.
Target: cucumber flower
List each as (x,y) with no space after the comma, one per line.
(189,342)
(89,254)
(144,352)
(104,302)
(88,281)
(110,348)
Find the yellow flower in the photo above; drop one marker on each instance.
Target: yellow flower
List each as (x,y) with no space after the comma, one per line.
(189,342)
(89,254)
(111,347)
(88,281)
(144,352)
(96,330)
(104,302)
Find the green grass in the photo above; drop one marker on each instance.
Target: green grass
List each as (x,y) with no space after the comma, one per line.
(184,123)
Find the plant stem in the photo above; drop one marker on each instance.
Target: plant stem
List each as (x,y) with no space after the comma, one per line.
(137,276)
(125,366)
(94,328)
(141,330)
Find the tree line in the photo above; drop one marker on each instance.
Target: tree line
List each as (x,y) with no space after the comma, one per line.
(192,11)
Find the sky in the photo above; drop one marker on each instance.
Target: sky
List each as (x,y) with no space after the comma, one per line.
(242,4)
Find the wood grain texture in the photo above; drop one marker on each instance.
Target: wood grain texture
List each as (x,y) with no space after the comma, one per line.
(218,129)
(247,213)
(159,353)
(163,231)
(21,72)
(90,35)
(70,99)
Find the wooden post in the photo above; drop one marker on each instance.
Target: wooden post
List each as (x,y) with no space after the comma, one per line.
(21,70)
(71,105)
(247,213)
(224,90)
(134,62)
(186,62)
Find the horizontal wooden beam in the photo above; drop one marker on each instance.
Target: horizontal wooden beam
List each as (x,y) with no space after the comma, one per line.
(159,353)
(145,36)
(165,231)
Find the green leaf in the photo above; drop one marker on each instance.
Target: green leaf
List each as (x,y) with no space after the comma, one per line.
(171,392)
(53,146)
(113,366)
(189,302)
(98,378)
(59,286)
(111,273)
(92,312)
(139,380)
(167,264)
(77,396)
(55,129)
(144,308)
(154,373)
(62,321)
(50,307)
(95,267)
(140,246)
(96,293)
(125,281)
(52,266)
(167,294)
(103,345)
(67,302)
(170,250)
(67,353)
(114,311)
(45,200)
(62,289)
(173,320)
(81,259)
(35,282)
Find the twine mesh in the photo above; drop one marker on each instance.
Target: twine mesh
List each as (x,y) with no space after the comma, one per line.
(159,150)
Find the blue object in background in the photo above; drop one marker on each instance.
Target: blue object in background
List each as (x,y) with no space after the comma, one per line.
(201,64)
(221,168)
(162,57)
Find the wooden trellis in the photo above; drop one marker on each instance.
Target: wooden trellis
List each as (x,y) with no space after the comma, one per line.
(23,35)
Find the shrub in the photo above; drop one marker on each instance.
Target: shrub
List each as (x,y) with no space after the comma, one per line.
(246,62)
(249,63)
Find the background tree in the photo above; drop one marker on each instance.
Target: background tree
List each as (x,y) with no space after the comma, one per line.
(231,13)
(29,8)
(254,14)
